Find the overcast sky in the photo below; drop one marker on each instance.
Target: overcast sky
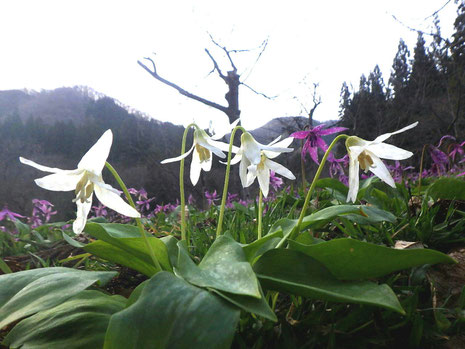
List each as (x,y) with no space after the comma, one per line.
(50,44)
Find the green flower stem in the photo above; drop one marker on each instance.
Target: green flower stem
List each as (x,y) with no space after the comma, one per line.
(181,184)
(296,229)
(139,224)
(260,213)
(226,180)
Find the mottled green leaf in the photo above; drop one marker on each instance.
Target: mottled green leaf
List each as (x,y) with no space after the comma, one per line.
(224,268)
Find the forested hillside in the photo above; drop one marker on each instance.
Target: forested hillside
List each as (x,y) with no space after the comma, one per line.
(426,85)
(56,128)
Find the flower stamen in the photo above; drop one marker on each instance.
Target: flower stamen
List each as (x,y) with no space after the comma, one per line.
(365,161)
(204,153)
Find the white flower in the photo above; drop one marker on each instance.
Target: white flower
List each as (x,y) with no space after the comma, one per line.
(255,158)
(84,180)
(368,155)
(203,147)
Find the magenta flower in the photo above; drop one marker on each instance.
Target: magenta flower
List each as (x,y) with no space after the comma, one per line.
(211,197)
(456,148)
(100,210)
(191,199)
(275,181)
(230,199)
(6,213)
(314,140)
(336,168)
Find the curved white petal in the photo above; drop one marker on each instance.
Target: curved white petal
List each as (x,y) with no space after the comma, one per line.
(180,157)
(356,150)
(285,143)
(115,202)
(83,209)
(210,145)
(236,158)
(385,136)
(251,148)
(99,182)
(195,168)
(274,140)
(380,170)
(61,181)
(224,147)
(389,152)
(243,171)
(264,180)
(279,169)
(353,179)
(40,167)
(207,164)
(95,158)
(251,175)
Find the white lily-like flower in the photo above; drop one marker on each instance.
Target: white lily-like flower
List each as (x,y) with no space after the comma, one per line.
(368,155)
(84,180)
(203,147)
(255,161)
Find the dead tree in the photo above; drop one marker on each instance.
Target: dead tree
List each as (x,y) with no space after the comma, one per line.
(231,78)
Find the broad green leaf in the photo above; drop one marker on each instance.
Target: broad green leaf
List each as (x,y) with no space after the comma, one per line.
(371,215)
(27,292)
(80,322)
(250,304)
(447,188)
(332,183)
(172,247)
(295,273)
(350,259)
(251,250)
(224,268)
(117,255)
(127,237)
(171,313)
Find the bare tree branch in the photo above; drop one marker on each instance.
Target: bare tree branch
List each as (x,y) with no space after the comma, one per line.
(416,30)
(436,12)
(228,52)
(263,45)
(258,93)
(180,89)
(215,65)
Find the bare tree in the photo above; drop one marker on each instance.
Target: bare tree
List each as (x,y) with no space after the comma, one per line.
(231,79)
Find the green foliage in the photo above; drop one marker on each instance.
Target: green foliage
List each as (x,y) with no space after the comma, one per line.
(28,292)
(171,313)
(350,259)
(310,278)
(79,322)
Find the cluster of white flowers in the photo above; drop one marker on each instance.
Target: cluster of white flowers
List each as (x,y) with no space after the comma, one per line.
(255,162)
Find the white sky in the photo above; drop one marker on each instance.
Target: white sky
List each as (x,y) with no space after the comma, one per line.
(50,44)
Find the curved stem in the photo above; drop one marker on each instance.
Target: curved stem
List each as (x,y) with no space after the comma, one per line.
(181,183)
(296,229)
(226,180)
(139,223)
(260,213)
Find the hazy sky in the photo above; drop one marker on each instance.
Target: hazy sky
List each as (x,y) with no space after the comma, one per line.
(49,44)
